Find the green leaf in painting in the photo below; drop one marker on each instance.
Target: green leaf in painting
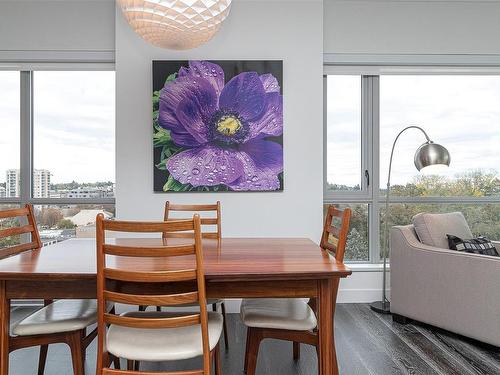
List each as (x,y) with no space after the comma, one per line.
(174,185)
(162,138)
(156,100)
(171,77)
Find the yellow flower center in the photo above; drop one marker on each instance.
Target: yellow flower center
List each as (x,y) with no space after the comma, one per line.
(228,125)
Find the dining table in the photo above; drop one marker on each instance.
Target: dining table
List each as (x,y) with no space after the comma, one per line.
(234,268)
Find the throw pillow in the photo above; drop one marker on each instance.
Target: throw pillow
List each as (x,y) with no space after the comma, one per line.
(479,245)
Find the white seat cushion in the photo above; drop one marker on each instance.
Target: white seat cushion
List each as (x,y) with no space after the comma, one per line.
(165,344)
(279,313)
(60,316)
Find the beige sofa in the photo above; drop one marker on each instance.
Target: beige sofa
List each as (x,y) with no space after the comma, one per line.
(456,291)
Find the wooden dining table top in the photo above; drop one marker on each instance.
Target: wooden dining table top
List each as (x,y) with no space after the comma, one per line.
(229,259)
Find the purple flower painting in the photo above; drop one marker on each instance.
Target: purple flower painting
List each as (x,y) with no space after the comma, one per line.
(218,125)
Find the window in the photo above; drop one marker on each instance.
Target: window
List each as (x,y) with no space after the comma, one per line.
(457,111)
(73,132)
(60,150)
(10,127)
(357,239)
(343,133)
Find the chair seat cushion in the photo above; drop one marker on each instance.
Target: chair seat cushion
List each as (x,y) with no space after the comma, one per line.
(165,344)
(60,316)
(279,313)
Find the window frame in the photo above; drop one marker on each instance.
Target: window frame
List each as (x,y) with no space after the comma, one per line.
(26,168)
(370,74)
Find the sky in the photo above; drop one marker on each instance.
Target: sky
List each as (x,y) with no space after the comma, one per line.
(74,124)
(460,112)
(74,117)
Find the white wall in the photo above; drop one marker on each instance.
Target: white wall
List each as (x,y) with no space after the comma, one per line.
(55,25)
(291,31)
(412,27)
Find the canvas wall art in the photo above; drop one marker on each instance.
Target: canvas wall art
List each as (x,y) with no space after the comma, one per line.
(218,125)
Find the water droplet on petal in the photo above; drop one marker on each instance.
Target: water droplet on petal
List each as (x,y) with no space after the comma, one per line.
(195,171)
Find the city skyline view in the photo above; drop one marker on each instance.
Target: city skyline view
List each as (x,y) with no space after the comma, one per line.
(44,188)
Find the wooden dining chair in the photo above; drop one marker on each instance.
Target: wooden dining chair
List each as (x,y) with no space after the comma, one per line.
(211,234)
(205,221)
(63,321)
(150,335)
(292,319)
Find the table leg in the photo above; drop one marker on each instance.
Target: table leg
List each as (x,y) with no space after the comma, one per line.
(4,329)
(326,309)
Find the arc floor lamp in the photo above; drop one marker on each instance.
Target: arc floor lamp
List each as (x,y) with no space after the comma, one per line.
(427,154)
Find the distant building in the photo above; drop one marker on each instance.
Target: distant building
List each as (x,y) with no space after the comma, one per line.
(41,183)
(3,192)
(49,236)
(89,192)
(13,184)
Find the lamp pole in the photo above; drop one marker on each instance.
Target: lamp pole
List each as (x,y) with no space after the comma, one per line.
(384,305)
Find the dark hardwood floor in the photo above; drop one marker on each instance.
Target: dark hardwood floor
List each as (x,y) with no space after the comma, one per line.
(367,343)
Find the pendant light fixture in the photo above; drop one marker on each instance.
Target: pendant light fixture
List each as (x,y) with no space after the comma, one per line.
(175,24)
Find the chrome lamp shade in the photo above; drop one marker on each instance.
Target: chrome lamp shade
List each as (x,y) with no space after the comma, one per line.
(431,154)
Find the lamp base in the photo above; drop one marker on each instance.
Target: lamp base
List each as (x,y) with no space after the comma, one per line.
(381,307)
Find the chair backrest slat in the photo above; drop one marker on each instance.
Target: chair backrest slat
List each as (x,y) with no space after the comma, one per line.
(150,277)
(131,251)
(25,213)
(208,235)
(149,227)
(174,322)
(13,231)
(14,212)
(190,280)
(334,237)
(205,221)
(148,300)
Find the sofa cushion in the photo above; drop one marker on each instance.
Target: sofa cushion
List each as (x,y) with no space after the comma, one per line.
(432,228)
(479,245)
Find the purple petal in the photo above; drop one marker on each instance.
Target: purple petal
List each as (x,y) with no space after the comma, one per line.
(186,89)
(205,166)
(213,73)
(262,163)
(244,95)
(184,139)
(271,123)
(183,71)
(194,117)
(270,83)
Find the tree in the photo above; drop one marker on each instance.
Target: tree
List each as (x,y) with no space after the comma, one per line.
(483,218)
(49,217)
(65,224)
(357,246)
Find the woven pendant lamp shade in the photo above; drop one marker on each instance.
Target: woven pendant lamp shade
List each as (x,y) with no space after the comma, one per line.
(175,24)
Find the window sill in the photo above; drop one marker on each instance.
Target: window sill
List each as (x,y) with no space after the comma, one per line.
(366,267)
